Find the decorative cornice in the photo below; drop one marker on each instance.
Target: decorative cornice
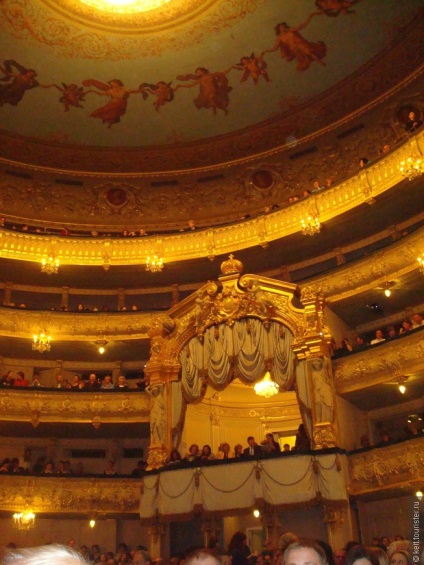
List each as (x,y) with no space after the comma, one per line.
(72,407)
(381,364)
(59,495)
(73,326)
(388,467)
(355,191)
(391,263)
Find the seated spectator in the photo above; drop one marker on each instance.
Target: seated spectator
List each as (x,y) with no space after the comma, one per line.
(49,468)
(206,453)
(272,445)
(360,344)
(76,383)
(59,381)
(8,379)
(363,162)
(80,308)
(140,469)
(174,457)
(286,448)
(122,383)
(238,451)
(417,321)
(302,440)
(67,468)
(391,332)
(401,557)
(93,383)
(26,460)
(193,453)
(15,467)
(6,465)
(379,338)
(36,380)
(344,349)
(20,380)
(39,465)
(413,123)
(224,451)
(406,327)
(252,448)
(110,469)
(317,187)
(360,556)
(107,383)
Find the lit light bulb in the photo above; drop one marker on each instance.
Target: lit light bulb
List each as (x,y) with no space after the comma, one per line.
(387,292)
(256,513)
(402,389)
(92,523)
(419,494)
(101,350)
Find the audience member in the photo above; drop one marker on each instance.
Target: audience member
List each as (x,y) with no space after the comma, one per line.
(174,457)
(107,383)
(193,453)
(206,453)
(20,380)
(44,554)
(302,442)
(253,448)
(378,337)
(224,451)
(272,445)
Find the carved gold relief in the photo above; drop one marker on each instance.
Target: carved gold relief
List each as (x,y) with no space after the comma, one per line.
(387,467)
(379,365)
(48,406)
(62,495)
(73,327)
(183,246)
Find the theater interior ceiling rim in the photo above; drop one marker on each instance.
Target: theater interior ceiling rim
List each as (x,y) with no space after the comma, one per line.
(157,15)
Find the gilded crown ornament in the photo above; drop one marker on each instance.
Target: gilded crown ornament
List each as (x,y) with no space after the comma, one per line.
(231,266)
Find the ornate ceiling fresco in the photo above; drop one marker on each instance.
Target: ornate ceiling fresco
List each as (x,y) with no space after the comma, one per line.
(188,70)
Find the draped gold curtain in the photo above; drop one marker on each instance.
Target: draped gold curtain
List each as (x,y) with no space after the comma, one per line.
(245,349)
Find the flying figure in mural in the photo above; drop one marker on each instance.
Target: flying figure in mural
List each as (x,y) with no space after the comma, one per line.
(294,46)
(18,82)
(213,88)
(252,67)
(72,94)
(111,112)
(162,90)
(334,8)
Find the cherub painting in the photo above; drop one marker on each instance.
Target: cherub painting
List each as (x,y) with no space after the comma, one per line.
(334,8)
(162,90)
(111,112)
(213,89)
(19,82)
(294,46)
(252,67)
(72,95)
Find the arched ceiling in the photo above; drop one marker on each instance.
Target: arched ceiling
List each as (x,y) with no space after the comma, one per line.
(186,71)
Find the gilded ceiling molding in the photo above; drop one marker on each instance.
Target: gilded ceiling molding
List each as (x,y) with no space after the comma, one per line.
(339,199)
(381,364)
(59,495)
(394,466)
(393,262)
(94,408)
(75,30)
(73,326)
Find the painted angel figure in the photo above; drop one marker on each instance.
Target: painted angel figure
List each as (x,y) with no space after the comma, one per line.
(162,90)
(111,112)
(334,8)
(293,45)
(213,88)
(19,82)
(72,95)
(252,67)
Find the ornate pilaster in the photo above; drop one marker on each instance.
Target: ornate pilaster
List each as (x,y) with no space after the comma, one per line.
(339,525)
(160,372)
(157,539)
(271,525)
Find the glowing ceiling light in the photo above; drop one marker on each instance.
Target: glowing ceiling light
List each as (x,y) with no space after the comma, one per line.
(266,387)
(402,389)
(125,6)
(256,513)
